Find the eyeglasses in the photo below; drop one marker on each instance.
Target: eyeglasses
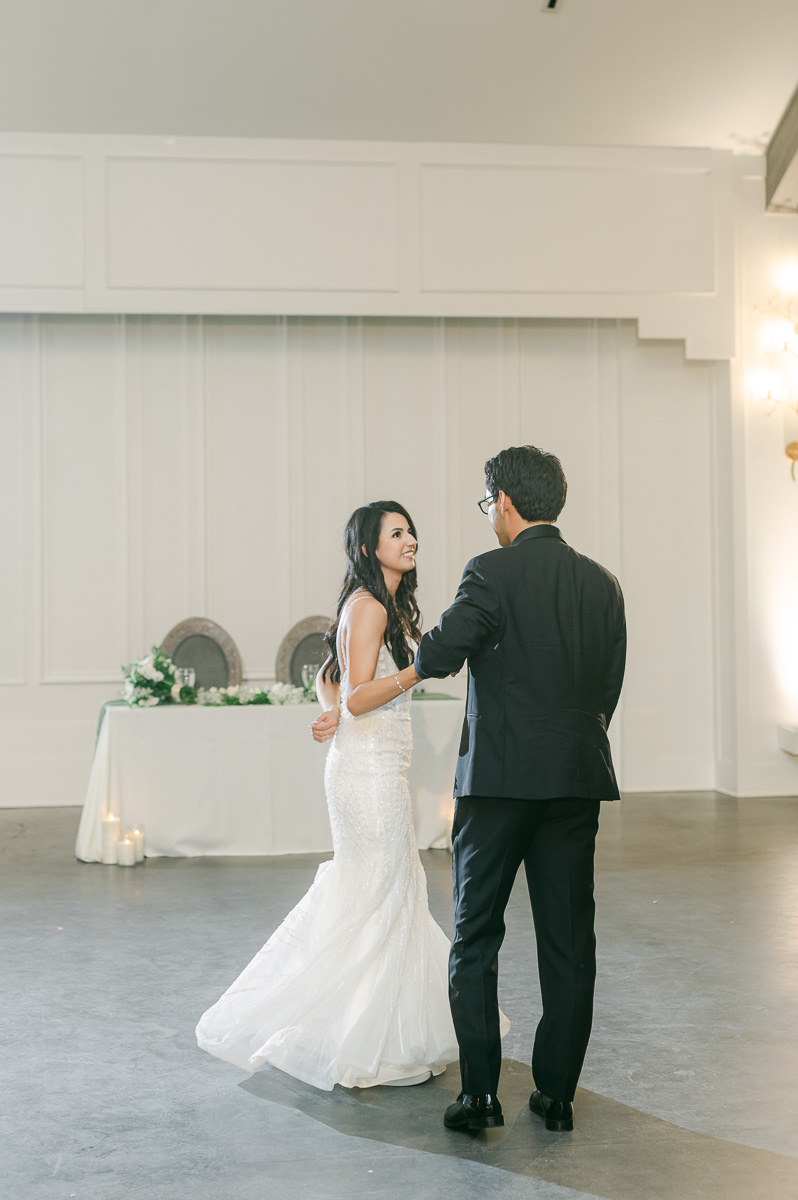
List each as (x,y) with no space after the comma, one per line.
(485,503)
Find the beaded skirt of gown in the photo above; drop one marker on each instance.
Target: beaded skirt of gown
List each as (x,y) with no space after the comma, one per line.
(352,988)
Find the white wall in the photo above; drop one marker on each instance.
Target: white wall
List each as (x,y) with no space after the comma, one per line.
(158,468)
(231,226)
(764,505)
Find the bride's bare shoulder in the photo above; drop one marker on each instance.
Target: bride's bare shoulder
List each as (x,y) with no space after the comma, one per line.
(364,612)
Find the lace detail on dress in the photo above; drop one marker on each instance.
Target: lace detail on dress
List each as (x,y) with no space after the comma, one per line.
(353,986)
(385,667)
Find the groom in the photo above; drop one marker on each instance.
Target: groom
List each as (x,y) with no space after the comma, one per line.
(543,631)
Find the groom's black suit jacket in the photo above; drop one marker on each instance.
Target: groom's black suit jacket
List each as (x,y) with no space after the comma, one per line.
(544,633)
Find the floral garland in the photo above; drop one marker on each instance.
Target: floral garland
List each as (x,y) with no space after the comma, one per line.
(278,693)
(152,680)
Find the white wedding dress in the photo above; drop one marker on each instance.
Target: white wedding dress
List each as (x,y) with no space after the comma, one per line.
(352,988)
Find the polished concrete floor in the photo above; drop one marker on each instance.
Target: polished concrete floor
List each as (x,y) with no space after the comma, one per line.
(690,1088)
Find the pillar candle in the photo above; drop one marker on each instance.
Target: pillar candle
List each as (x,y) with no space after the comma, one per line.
(136,836)
(126,852)
(110,838)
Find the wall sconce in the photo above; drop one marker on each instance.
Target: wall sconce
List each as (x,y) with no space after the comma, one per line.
(779,333)
(792,453)
(778,340)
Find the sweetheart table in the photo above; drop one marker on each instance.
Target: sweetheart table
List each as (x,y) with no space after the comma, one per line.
(245,780)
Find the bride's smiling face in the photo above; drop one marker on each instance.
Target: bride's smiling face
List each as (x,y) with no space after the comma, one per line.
(396,548)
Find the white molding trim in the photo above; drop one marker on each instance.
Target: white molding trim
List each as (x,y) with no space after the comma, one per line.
(46,674)
(195,407)
(122,607)
(294,407)
(510,400)
(507,231)
(16,623)
(134,460)
(41,508)
(287,527)
(56,244)
(227,163)
(442,425)
(354,415)
(452,442)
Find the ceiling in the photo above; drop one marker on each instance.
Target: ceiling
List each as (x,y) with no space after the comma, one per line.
(596,72)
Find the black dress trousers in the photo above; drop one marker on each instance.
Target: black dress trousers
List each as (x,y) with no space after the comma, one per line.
(555,840)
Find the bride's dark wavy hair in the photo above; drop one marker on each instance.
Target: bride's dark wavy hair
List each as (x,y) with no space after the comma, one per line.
(363,570)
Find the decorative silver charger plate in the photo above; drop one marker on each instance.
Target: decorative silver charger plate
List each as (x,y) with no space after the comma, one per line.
(302,644)
(202,644)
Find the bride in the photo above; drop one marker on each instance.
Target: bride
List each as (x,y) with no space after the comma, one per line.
(351,989)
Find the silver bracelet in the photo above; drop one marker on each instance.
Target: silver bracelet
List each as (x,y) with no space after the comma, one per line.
(398,684)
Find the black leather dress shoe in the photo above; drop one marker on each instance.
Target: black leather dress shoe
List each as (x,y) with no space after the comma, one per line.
(473,1112)
(558,1115)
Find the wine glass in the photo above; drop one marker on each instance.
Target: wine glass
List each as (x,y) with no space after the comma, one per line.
(309,673)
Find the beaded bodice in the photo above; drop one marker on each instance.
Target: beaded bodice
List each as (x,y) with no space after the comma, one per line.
(399,706)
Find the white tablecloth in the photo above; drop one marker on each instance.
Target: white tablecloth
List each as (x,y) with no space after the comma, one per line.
(245,780)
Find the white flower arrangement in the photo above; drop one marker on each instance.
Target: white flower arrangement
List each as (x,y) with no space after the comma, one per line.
(278,693)
(152,681)
(287,693)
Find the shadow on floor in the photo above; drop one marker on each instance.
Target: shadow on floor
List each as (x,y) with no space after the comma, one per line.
(615,1152)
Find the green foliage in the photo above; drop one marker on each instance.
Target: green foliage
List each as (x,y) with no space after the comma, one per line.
(152,680)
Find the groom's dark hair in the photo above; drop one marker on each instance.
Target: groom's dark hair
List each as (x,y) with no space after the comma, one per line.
(533,479)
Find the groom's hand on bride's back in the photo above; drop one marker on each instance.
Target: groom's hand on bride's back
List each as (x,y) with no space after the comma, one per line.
(325,726)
